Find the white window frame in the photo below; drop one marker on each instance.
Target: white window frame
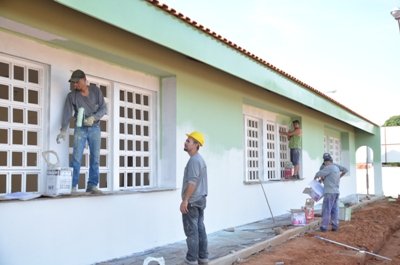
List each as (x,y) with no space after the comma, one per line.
(126,172)
(24,171)
(266,151)
(110,169)
(333,146)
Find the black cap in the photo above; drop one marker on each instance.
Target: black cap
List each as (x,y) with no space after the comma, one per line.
(327,157)
(76,75)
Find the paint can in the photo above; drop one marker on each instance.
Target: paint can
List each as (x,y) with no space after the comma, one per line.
(298,217)
(309,212)
(288,173)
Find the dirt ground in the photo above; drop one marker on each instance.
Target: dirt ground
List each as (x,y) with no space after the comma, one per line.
(374,228)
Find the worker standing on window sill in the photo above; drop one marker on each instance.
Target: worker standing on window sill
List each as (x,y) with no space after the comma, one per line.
(294,137)
(88,106)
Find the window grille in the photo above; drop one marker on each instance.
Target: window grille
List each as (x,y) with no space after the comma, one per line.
(253,145)
(284,151)
(335,148)
(271,151)
(266,150)
(135,138)
(21,128)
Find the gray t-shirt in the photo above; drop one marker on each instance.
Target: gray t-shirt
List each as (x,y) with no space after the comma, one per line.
(93,104)
(331,175)
(341,168)
(196,174)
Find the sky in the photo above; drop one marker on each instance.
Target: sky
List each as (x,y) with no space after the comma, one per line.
(348,46)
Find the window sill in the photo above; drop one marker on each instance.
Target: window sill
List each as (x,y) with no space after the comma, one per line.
(87,194)
(271,180)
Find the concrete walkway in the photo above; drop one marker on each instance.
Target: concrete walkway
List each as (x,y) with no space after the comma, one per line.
(230,245)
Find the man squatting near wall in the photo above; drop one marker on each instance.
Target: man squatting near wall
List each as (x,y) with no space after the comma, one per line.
(294,137)
(330,174)
(194,193)
(92,100)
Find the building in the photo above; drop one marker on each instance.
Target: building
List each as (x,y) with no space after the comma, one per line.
(163,75)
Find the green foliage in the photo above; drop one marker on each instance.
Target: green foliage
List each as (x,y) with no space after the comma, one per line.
(392,164)
(392,121)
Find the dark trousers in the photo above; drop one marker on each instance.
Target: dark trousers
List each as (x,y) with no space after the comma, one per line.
(195,231)
(330,211)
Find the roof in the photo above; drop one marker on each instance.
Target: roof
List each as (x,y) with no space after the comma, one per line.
(242,50)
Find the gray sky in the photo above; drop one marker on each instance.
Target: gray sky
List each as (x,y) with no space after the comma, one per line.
(351,46)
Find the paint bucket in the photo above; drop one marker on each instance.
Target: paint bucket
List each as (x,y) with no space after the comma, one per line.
(309,213)
(288,173)
(298,217)
(309,209)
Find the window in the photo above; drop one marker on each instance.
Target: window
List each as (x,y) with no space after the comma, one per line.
(135,138)
(333,146)
(266,151)
(128,131)
(253,148)
(21,128)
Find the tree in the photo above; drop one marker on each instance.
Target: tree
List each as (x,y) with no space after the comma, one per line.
(392,121)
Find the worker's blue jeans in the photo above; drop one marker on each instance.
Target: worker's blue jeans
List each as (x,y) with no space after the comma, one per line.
(330,211)
(195,231)
(92,135)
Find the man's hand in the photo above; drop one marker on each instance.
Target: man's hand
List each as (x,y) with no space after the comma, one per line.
(320,180)
(61,136)
(183,207)
(89,121)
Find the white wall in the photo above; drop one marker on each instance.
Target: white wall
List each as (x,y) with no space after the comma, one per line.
(390,141)
(84,230)
(390,181)
(81,230)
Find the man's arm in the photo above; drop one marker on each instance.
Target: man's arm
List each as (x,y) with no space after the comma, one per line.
(297,131)
(342,169)
(189,191)
(67,113)
(322,173)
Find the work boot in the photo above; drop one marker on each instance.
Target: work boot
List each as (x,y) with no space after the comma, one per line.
(187,262)
(93,190)
(204,261)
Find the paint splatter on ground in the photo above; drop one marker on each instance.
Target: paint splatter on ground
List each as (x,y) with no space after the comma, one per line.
(374,228)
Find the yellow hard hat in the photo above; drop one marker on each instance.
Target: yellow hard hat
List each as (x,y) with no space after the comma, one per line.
(198,136)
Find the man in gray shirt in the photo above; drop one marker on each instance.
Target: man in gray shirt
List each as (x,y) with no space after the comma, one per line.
(91,99)
(342,169)
(194,193)
(330,175)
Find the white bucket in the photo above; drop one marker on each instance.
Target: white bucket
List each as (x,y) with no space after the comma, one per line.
(298,217)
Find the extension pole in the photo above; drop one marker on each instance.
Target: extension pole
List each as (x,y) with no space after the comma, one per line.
(265,195)
(360,250)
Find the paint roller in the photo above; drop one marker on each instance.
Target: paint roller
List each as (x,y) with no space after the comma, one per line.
(80,117)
